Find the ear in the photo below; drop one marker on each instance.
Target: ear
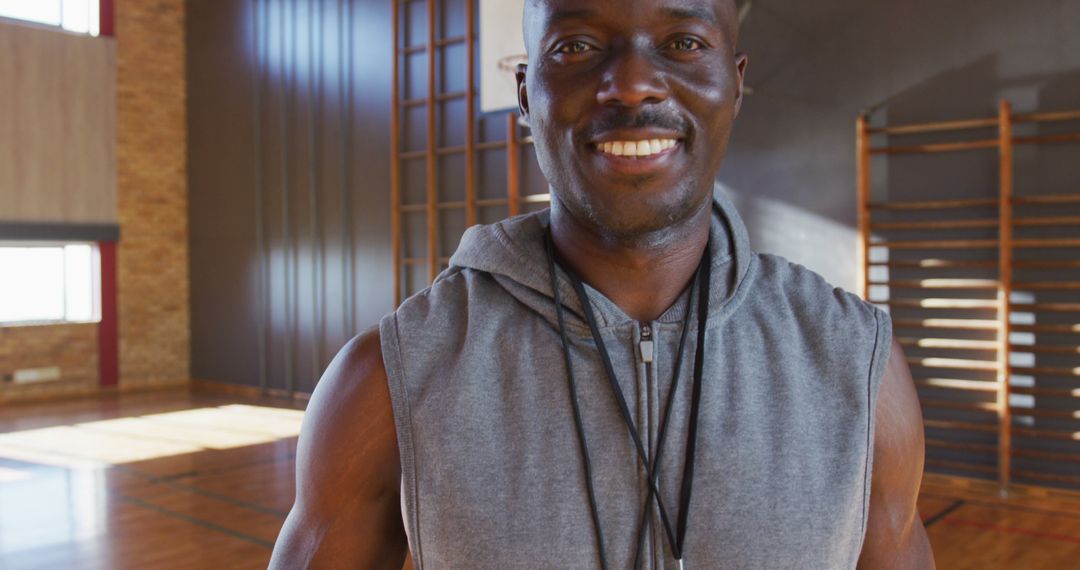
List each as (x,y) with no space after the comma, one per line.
(741,61)
(522,92)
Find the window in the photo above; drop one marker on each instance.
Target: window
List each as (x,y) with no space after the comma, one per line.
(49,283)
(79,16)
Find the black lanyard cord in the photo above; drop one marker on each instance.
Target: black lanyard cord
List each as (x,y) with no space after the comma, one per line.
(586,457)
(646,513)
(676,542)
(695,400)
(624,409)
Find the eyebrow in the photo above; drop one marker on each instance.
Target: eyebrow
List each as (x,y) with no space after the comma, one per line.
(561,16)
(696,13)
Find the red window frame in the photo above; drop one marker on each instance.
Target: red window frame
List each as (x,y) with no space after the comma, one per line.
(105,15)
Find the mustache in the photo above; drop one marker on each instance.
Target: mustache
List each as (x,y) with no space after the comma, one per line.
(647,118)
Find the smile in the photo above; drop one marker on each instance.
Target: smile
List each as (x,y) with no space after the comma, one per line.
(634,149)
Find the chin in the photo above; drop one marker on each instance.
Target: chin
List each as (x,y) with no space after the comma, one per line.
(632,213)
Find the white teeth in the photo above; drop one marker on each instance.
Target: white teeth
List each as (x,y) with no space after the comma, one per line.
(637,148)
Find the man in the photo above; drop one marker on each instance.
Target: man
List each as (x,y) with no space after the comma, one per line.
(620,382)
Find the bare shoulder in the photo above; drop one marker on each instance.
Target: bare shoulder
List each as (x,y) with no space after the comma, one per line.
(347,507)
(895,536)
(349,425)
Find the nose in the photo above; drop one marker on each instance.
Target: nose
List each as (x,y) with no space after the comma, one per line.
(631,80)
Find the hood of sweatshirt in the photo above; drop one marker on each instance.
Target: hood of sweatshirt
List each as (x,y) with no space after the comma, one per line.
(513,253)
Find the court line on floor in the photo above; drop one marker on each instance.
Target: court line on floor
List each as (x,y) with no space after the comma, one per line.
(943,513)
(1008,506)
(1013,530)
(175,485)
(219,470)
(197,521)
(166,481)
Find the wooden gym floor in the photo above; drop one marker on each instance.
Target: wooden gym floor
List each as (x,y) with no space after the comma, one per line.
(181,480)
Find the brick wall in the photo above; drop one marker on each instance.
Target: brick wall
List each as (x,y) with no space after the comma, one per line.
(152,257)
(73,348)
(152,170)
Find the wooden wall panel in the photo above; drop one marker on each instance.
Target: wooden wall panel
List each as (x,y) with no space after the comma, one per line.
(58,134)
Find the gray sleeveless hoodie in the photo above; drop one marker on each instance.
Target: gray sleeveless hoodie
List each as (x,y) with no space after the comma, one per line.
(492,475)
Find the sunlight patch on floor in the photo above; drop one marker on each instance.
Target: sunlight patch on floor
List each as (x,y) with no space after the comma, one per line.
(139,438)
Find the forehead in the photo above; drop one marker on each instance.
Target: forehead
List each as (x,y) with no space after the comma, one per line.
(543,16)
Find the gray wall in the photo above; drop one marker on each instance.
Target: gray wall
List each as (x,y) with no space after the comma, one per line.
(814,66)
(289,106)
(289,128)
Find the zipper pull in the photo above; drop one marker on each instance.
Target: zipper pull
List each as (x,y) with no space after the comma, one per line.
(646,344)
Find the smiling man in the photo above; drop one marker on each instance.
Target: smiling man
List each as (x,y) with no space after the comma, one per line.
(619,381)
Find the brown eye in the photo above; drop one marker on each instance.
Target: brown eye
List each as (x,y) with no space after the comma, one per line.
(573,48)
(686,44)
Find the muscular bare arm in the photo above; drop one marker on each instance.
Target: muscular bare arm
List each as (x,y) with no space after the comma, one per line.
(347,512)
(895,536)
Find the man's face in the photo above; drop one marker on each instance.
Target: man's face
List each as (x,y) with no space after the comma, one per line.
(631,105)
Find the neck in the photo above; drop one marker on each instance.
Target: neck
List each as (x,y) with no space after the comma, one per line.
(644,275)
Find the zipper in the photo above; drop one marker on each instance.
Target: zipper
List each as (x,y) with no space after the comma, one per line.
(647,350)
(646,345)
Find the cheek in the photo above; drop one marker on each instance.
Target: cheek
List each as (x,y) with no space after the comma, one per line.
(713,100)
(546,141)
(552,130)
(540,109)
(715,82)
(717,93)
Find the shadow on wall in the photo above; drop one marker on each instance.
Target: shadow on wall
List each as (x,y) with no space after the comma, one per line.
(788,222)
(1051,169)
(1061,92)
(967,91)
(970,91)
(973,91)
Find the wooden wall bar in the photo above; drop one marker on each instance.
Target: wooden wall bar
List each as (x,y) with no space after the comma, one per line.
(862,165)
(470,114)
(432,144)
(513,165)
(950,333)
(395,153)
(1005,161)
